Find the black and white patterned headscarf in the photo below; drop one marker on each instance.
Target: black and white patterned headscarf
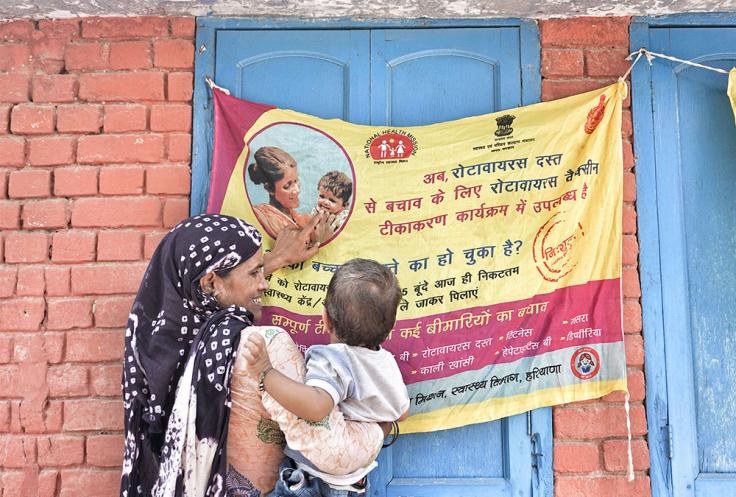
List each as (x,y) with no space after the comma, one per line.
(179,350)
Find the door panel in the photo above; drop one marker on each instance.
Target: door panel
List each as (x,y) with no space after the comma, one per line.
(323,73)
(399,77)
(696,199)
(423,76)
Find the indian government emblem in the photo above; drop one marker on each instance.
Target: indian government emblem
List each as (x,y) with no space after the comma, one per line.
(504,125)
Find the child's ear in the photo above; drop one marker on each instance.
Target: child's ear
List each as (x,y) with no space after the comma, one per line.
(326,321)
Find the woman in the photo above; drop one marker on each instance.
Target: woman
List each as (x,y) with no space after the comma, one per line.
(202,288)
(276,171)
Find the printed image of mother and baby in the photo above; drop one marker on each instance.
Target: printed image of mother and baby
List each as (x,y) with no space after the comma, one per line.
(276,170)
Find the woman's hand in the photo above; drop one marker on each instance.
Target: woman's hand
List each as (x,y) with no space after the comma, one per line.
(256,354)
(293,245)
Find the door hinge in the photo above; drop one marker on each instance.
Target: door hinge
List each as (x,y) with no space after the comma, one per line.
(670,443)
(537,454)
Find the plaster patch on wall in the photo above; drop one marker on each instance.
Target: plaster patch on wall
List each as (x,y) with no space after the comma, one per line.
(377,9)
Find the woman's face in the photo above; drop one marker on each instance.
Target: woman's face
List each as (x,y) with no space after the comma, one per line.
(286,190)
(244,285)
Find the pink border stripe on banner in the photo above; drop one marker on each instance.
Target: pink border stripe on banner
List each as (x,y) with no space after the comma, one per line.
(568,317)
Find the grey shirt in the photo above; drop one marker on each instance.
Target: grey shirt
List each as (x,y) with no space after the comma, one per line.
(365,384)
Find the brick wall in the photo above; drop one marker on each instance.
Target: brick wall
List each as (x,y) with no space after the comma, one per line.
(95,140)
(578,55)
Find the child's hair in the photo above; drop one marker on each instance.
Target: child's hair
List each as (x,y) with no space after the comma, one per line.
(338,184)
(361,302)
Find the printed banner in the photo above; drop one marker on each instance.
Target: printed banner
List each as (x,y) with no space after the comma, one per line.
(504,231)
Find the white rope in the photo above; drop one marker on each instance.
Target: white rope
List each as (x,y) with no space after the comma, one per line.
(653,55)
(212,85)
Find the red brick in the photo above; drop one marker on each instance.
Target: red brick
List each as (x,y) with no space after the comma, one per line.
(75,181)
(124,27)
(180,147)
(94,346)
(68,313)
(87,57)
(561,63)
(26,247)
(5,118)
(67,29)
(67,380)
(14,87)
(581,423)
(631,283)
(615,455)
(97,149)
(171,117)
(130,55)
(168,179)
(180,86)
(6,354)
(151,243)
(107,279)
(73,246)
(8,277)
(119,245)
(175,210)
(58,281)
(629,219)
(173,54)
(45,214)
(632,316)
(182,26)
(32,119)
(15,483)
(21,314)
(29,183)
(628,155)
(585,32)
(105,450)
(79,118)
(9,215)
(51,150)
(17,452)
(54,88)
(122,180)
(39,415)
(627,126)
(634,350)
(12,151)
(123,87)
(30,281)
(14,58)
(602,486)
(37,348)
(16,30)
(635,384)
(576,457)
(112,312)
(116,212)
(125,118)
(554,89)
(78,482)
(59,450)
(630,250)
(609,62)
(106,380)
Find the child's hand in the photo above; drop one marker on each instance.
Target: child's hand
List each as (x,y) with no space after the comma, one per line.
(256,354)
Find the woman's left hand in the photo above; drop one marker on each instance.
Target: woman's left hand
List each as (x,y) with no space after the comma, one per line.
(293,245)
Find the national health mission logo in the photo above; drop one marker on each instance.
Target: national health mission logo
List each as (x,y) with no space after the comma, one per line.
(391,145)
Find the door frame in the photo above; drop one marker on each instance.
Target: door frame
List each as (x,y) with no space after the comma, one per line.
(666,431)
(539,421)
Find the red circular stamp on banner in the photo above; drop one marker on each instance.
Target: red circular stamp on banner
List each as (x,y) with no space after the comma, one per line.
(585,363)
(556,247)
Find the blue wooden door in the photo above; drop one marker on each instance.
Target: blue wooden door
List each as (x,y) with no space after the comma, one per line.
(402,77)
(693,224)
